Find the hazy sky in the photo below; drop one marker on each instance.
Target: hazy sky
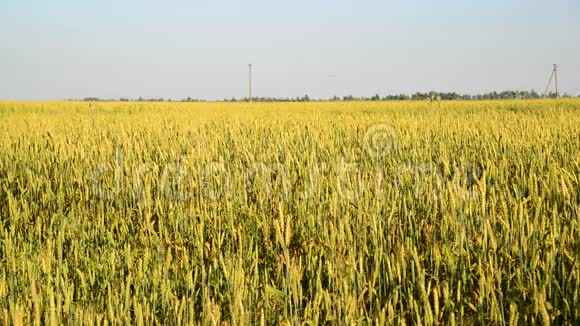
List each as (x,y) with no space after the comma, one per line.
(72,49)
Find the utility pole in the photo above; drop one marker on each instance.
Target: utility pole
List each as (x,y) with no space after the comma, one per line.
(554,76)
(556,79)
(250,79)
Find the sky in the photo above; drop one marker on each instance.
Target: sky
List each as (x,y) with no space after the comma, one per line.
(62,49)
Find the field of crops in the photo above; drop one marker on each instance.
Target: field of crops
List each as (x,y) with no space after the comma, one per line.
(270,213)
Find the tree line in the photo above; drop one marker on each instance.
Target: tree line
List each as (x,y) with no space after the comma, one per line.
(418,96)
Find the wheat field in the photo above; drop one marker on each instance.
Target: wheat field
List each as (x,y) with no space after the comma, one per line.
(296,213)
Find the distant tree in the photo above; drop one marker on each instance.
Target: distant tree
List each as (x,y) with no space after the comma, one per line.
(419,96)
(434,96)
